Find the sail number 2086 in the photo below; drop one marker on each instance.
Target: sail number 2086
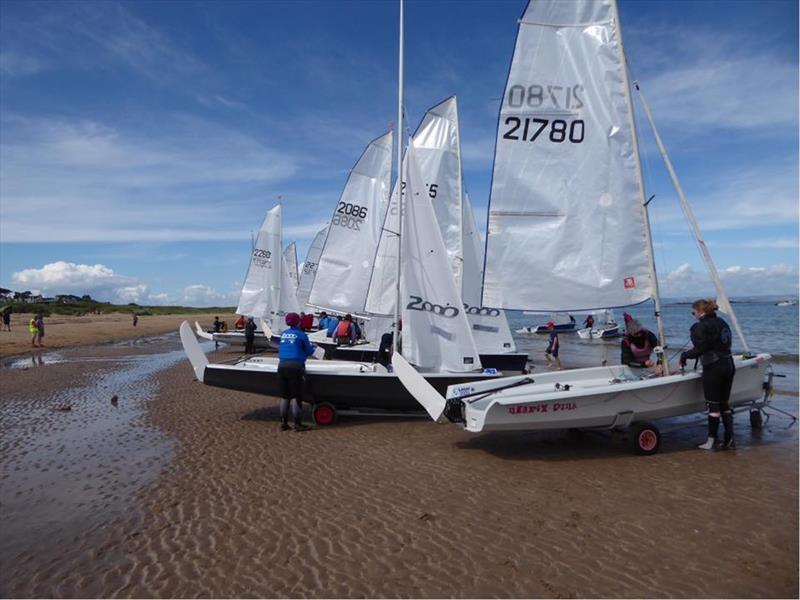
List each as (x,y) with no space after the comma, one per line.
(527,129)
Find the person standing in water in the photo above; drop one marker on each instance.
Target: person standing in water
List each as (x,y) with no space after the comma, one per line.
(552,347)
(33,329)
(7,318)
(711,343)
(293,351)
(40,327)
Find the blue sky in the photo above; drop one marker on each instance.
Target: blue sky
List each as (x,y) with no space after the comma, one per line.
(141,142)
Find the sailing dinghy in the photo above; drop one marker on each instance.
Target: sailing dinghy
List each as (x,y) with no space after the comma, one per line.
(606,329)
(567,179)
(268,293)
(436,338)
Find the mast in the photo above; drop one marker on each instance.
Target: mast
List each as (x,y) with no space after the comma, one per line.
(396,326)
(722,296)
(651,262)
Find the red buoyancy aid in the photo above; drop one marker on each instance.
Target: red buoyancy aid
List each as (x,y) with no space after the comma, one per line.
(343,329)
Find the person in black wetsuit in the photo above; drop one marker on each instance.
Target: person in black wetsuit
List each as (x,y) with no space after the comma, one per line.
(711,343)
(250,336)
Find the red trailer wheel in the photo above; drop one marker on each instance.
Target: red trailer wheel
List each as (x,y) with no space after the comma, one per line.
(323,414)
(646,438)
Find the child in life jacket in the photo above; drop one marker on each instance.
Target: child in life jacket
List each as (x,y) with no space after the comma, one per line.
(638,344)
(345,332)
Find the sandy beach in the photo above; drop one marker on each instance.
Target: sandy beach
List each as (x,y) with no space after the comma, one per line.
(62,331)
(178,489)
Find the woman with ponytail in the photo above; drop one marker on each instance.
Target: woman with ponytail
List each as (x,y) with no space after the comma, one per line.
(711,343)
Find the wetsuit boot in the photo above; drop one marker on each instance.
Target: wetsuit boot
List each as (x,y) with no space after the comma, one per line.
(285,414)
(727,420)
(713,429)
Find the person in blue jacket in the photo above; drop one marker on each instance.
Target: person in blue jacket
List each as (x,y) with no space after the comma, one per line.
(332,324)
(293,351)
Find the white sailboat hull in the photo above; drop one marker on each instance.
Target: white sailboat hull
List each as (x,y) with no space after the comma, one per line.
(601,397)
(600,333)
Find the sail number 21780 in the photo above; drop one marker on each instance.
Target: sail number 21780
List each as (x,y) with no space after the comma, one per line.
(528,129)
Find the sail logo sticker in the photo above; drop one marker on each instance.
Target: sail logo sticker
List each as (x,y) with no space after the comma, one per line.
(629,283)
(483,311)
(417,303)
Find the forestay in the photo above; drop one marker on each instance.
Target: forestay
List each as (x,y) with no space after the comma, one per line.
(309,270)
(260,296)
(345,267)
(436,334)
(290,255)
(566,229)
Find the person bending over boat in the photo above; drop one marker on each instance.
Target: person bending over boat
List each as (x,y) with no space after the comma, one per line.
(638,344)
(216,325)
(346,332)
(306,321)
(323,320)
(553,346)
(589,322)
(711,343)
(239,324)
(293,351)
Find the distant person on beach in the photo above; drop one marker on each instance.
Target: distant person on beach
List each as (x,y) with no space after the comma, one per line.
(250,336)
(135,319)
(345,332)
(571,319)
(7,318)
(33,329)
(216,326)
(40,327)
(293,351)
(240,322)
(638,344)
(711,343)
(552,346)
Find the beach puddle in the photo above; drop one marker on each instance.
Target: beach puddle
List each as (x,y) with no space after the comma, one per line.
(74,456)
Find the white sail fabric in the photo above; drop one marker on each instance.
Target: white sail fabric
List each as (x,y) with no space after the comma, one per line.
(309,270)
(436,334)
(566,226)
(345,267)
(260,296)
(382,292)
(288,299)
(290,254)
(490,327)
(438,149)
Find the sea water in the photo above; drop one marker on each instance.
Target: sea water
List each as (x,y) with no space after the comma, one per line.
(767,328)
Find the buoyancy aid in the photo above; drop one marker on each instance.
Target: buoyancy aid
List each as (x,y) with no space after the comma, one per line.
(343,330)
(641,354)
(33,327)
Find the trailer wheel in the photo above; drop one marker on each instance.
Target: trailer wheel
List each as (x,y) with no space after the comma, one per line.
(646,438)
(756,420)
(323,414)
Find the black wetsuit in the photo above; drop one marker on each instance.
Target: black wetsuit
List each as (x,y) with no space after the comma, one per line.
(250,337)
(711,341)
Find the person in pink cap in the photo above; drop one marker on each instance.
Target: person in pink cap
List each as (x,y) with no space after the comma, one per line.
(293,351)
(552,347)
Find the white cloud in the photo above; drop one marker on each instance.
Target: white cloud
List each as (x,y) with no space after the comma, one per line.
(66,277)
(13,64)
(99,281)
(738,281)
(203,295)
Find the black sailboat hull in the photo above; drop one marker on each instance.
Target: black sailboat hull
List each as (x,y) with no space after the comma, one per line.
(345,391)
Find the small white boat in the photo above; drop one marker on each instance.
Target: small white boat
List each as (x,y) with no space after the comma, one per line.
(786,303)
(605,332)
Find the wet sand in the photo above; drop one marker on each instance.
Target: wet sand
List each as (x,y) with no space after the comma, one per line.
(62,331)
(194,491)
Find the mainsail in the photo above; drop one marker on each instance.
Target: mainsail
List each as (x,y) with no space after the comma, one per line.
(436,334)
(260,296)
(290,255)
(566,225)
(345,267)
(309,270)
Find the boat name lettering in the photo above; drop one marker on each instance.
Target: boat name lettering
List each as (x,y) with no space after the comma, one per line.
(417,303)
(356,210)
(564,406)
(463,390)
(559,97)
(542,408)
(533,126)
(484,311)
